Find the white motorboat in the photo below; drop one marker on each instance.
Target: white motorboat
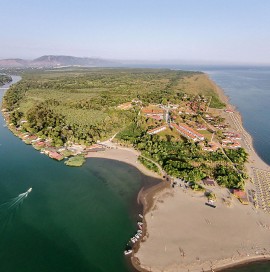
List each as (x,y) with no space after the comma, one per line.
(127,252)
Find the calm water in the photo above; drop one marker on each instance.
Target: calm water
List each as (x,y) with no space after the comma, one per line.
(79,219)
(249,90)
(75,219)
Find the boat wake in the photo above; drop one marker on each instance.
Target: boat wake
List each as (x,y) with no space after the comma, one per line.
(8,209)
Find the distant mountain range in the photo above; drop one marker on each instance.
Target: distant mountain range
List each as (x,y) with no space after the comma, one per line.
(51,61)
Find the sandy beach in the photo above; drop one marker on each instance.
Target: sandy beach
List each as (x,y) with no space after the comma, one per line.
(126,155)
(183,234)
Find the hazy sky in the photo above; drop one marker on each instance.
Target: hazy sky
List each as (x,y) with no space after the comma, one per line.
(196,30)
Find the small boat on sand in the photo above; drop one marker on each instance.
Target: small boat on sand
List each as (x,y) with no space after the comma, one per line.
(127,252)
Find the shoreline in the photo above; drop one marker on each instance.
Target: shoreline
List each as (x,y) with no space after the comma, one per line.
(150,197)
(240,263)
(254,161)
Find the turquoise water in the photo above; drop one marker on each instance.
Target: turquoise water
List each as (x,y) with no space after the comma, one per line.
(75,219)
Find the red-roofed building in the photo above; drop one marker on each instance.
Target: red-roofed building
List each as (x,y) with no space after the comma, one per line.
(156,130)
(188,132)
(40,144)
(234,145)
(241,195)
(157,114)
(55,155)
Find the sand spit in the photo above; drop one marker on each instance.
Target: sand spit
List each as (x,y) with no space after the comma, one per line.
(126,155)
(186,235)
(181,233)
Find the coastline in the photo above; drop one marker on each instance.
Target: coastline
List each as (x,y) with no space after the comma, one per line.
(254,161)
(126,155)
(155,197)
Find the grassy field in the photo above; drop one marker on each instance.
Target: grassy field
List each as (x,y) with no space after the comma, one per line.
(201,84)
(75,161)
(81,105)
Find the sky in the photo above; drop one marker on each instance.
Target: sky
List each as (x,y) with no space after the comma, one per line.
(210,31)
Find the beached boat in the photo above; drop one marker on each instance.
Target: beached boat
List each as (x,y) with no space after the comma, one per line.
(137,236)
(210,205)
(127,252)
(140,215)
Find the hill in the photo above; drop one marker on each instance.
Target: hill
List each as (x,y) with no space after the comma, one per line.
(50,61)
(14,63)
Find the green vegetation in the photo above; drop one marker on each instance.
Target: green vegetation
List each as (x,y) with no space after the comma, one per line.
(201,84)
(210,195)
(185,159)
(238,155)
(216,103)
(229,177)
(5,79)
(148,164)
(75,161)
(196,187)
(80,105)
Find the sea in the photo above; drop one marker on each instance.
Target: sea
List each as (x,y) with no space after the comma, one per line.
(80,219)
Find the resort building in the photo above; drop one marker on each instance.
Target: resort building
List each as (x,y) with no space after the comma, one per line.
(157,114)
(40,144)
(188,132)
(232,135)
(241,195)
(55,155)
(234,145)
(212,146)
(201,127)
(156,130)
(226,141)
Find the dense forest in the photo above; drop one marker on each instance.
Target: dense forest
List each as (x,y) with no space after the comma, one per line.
(5,79)
(186,159)
(81,106)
